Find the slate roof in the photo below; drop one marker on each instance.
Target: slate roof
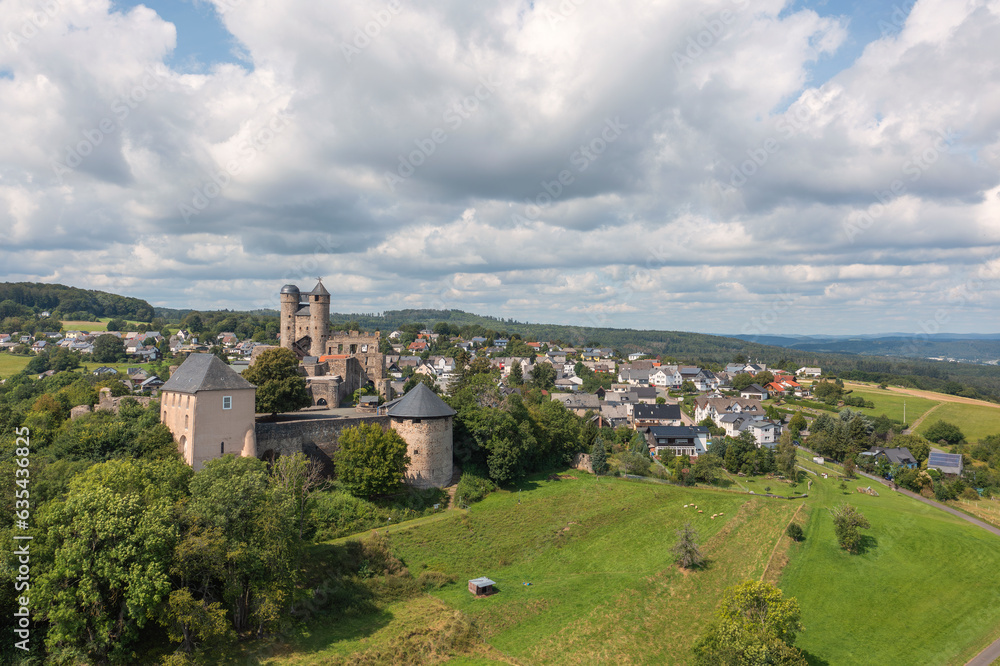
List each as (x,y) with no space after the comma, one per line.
(319,290)
(420,403)
(671,412)
(676,431)
(900,456)
(205,372)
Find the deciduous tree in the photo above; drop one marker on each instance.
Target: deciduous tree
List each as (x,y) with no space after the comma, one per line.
(279,386)
(370,461)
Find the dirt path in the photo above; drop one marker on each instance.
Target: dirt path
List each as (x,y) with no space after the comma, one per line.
(920,420)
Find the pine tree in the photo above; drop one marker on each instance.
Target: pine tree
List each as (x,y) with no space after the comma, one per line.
(598,458)
(686,550)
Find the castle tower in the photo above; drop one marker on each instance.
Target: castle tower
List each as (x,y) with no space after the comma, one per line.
(319,319)
(289,306)
(425,422)
(209,409)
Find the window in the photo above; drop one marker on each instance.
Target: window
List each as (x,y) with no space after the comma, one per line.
(354,349)
(416,420)
(416,452)
(222,448)
(227,402)
(185,421)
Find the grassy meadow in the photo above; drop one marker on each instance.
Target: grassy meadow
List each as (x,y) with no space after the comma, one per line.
(925,591)
(891,404)
(604,589)
(11,364)
(975,421)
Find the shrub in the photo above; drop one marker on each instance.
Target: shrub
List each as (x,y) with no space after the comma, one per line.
(970,494)
(794,531)
(472,488)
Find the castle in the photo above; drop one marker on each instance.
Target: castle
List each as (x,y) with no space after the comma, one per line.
(335,364)
(209,407)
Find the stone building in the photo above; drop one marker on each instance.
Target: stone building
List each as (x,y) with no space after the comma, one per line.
(425,422)
(335,364)
(305,320)
(209,409)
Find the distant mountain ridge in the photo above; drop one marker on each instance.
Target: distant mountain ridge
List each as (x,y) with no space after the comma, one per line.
(968,347)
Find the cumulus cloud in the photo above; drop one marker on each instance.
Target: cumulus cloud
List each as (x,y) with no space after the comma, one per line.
(613,163)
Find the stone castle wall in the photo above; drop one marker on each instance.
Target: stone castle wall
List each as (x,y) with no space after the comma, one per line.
(429,445)
(317,438)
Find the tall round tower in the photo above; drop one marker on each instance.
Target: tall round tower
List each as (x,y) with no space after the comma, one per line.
(289,306)
(424,421)
(319,319)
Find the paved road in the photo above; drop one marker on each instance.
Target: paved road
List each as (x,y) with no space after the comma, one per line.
(992,652)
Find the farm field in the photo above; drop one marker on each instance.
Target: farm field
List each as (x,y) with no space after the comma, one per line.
(891,404)
(603,588)
(894,603)
(975,421)
(92,326)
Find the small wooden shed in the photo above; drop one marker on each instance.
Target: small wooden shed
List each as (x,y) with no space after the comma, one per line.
(482,587)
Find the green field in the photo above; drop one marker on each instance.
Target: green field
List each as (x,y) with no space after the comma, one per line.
(891,404)
(926,591)
(94,326)
(604,588)
(597,554)
(11,364)
(975,421)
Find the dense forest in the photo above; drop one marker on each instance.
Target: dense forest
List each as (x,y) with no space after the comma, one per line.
(25,298)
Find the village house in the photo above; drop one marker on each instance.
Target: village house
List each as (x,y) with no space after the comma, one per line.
(754,392)
(644,415)
(714,406)
(681,440)
(808,372)
(579,403)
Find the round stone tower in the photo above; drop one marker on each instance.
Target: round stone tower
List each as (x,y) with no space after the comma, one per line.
(319,319)
(289,306)
(425,422)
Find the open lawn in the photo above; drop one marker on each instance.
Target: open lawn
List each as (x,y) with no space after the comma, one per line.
(975,421)
(11,364)
(925,591)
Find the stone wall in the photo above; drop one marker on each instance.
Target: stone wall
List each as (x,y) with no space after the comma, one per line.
(581,461)
(429,445)
(317,438)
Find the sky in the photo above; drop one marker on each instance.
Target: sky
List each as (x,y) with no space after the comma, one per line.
(729,166)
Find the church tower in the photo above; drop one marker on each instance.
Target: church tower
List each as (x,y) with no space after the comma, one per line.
(319,319)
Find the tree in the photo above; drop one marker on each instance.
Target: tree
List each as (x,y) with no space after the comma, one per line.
(741,380)
(686,551)
(917,445)
(687,386)
(849,467)
(794,531)
(370,461)
(108,349)
(420,378)
(754,625)
(237,508)
(516,376)
(279,386)
(944,431)
(846,522)
(786,456)
(797,424)
(599,458)
(543,376)
(112,540)
(763,378)
(117,325)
